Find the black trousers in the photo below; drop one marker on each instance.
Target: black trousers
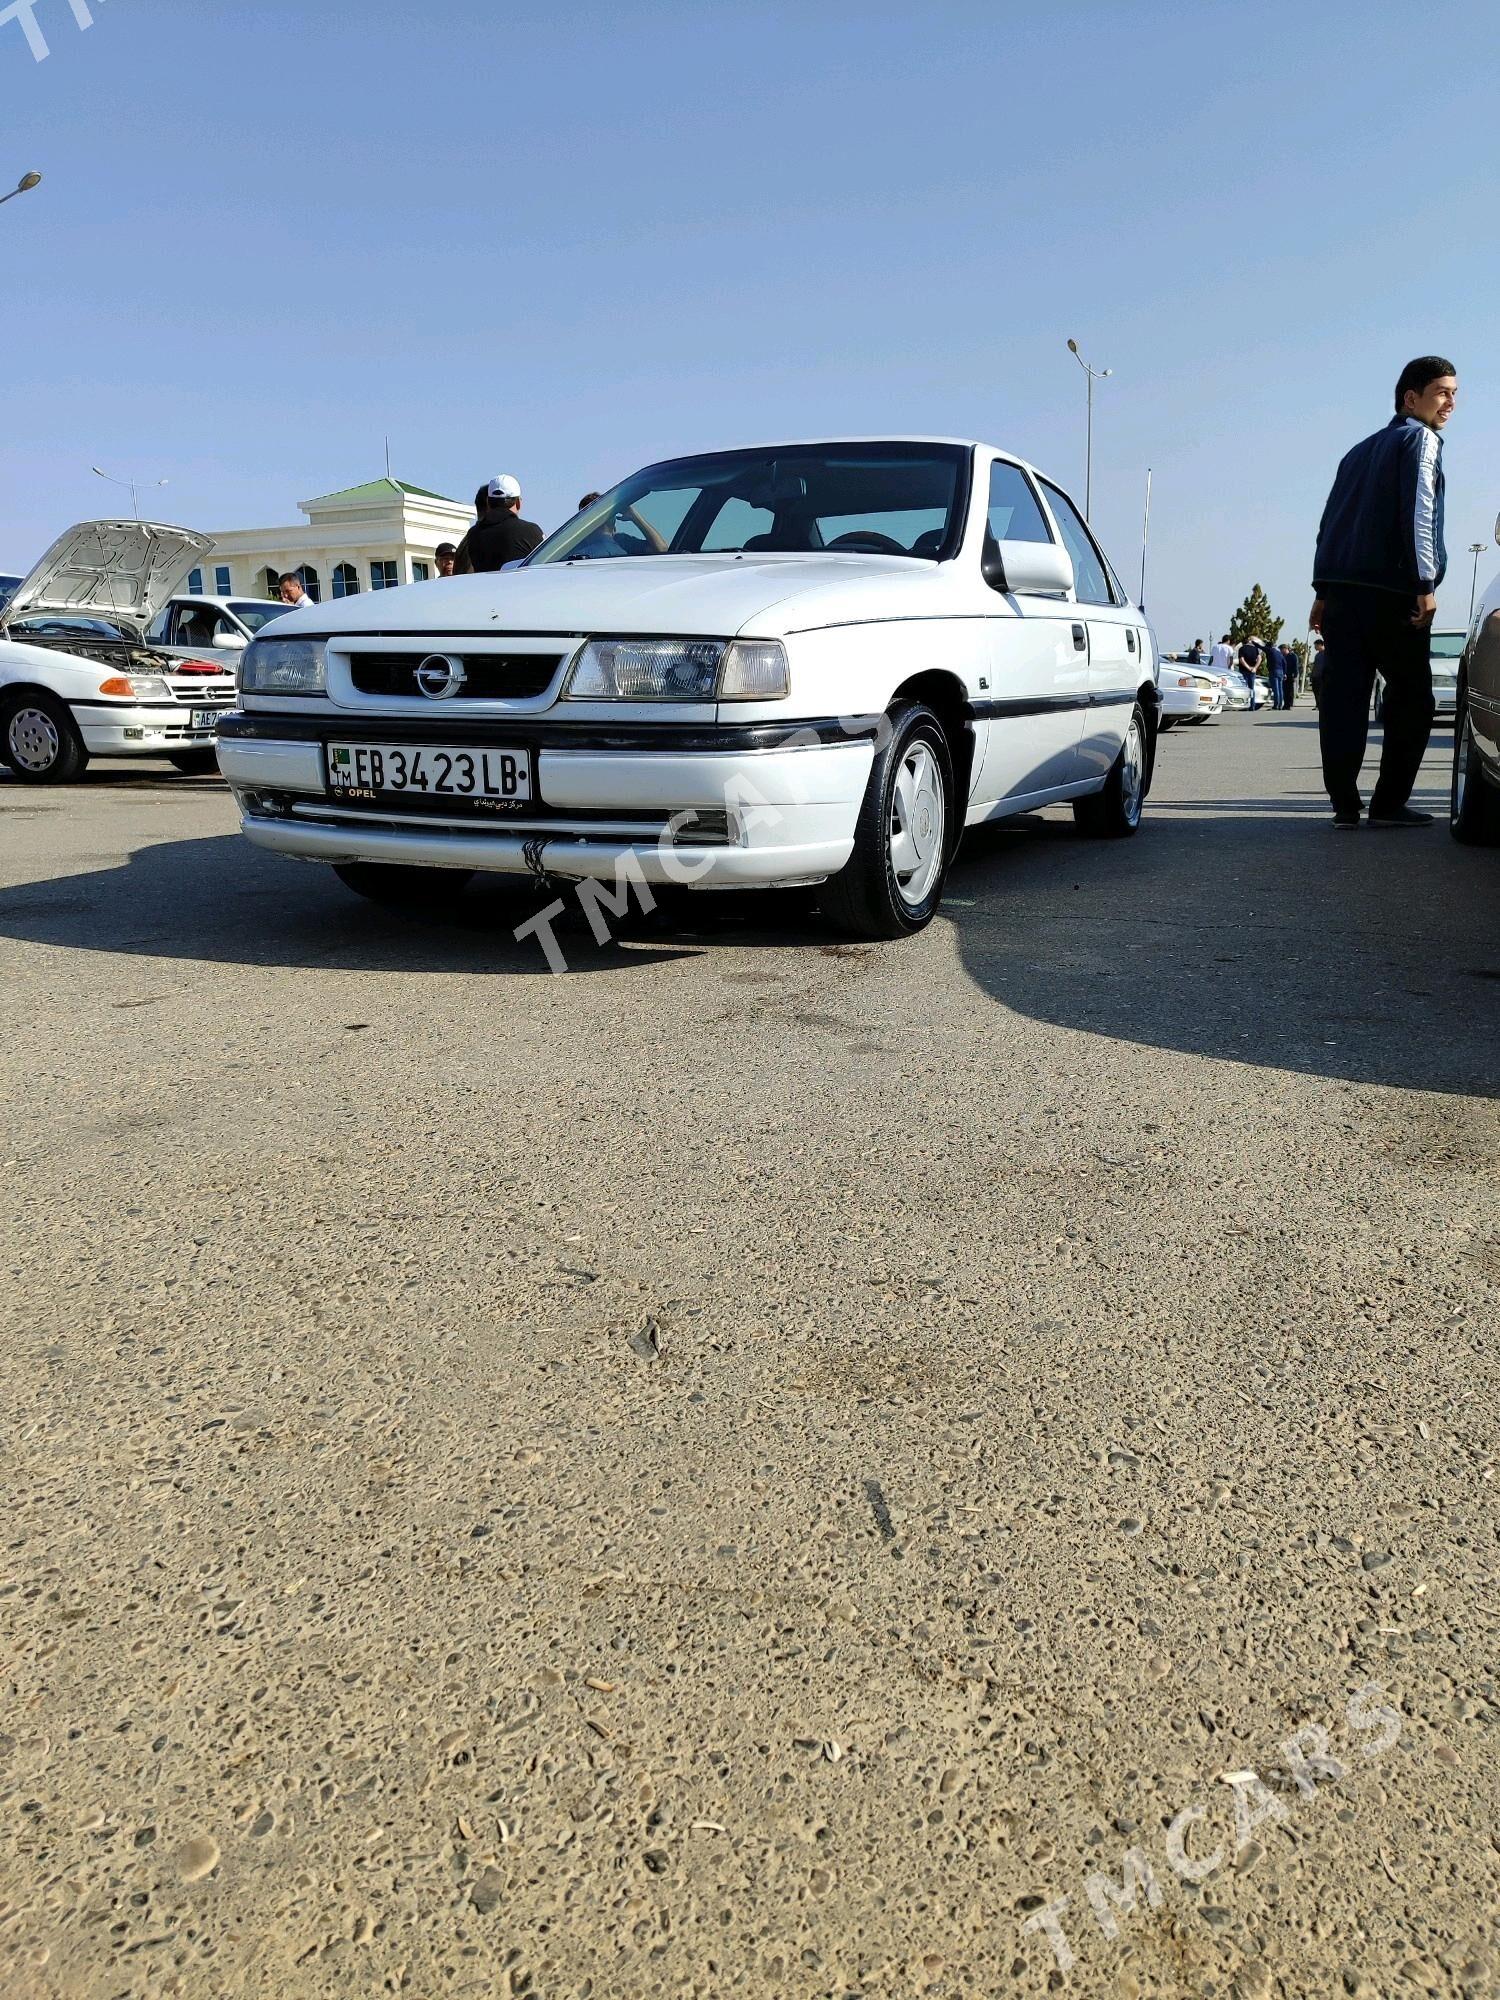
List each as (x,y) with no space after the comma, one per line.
(1368,631)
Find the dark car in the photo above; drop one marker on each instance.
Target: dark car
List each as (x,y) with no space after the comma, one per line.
(1474,806)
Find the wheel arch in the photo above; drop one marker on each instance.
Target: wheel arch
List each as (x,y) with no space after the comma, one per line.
(9,689)
(1149,697)
(945,694)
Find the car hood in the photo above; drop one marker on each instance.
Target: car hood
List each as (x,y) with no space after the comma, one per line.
(712,596)
(110,569)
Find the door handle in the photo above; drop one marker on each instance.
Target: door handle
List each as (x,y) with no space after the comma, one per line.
(1080,639)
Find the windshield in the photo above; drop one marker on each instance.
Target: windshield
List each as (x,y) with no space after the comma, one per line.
(53,625)
(1448,645)
(859,499)
(261,612)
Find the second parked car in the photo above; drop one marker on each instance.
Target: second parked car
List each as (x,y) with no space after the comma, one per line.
(77,676)
(219,627)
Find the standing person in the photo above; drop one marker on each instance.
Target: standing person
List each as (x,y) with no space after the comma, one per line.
(461,563)
(1196,654)
(289,590)
(1221,659)
(444,556)
(1276,669)
(1249,663)
(500,536)
(1315,673)
(1379,561)
(1293,675)
(588,500)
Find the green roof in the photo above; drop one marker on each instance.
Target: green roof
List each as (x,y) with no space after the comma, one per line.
(382,489)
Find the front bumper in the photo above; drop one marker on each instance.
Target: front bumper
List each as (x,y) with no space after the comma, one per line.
(1186,704)
(783,812)
(140,729)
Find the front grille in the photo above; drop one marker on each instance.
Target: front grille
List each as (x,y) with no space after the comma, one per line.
(203,694)
(490,676)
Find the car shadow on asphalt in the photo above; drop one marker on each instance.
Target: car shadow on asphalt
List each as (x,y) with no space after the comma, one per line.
(1238,929)
(216,901)
(1247,930)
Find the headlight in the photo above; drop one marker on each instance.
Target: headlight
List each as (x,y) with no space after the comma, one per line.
(283,666)
(679,670)
(141,687)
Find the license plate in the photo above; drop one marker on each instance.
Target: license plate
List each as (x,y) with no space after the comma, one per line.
(436,770)
(206,718)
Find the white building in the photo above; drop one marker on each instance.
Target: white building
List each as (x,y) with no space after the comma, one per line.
(365,538)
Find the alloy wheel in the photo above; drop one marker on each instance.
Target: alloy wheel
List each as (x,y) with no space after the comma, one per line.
(918,824)
(1132,772)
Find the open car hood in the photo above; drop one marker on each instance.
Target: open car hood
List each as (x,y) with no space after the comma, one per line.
(109,569)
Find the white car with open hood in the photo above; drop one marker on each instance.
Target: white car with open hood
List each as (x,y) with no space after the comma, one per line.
(79,677)
(801,663)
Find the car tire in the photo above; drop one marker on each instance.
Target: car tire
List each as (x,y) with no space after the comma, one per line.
(1115,812)
(40,741)
(1473,802)
(395,887)
(194,763)
(1168,722)
(892,884)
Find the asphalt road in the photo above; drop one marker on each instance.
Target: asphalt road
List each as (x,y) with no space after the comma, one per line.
(757,1466)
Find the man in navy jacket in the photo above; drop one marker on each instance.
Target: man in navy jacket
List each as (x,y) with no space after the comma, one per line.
(1379,561)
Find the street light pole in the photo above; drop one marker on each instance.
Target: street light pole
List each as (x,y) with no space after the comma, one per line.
(1094,374)
(23,186)
(1476,550)
(1145,538)
(131,483)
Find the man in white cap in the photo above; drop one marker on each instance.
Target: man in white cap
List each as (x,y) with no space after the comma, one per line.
(499,536)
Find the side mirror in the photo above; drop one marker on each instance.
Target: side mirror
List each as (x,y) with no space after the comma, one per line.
(1497,528)
(229,641)
(1032,568)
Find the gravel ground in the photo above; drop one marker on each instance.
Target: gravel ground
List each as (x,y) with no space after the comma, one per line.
(757,1466)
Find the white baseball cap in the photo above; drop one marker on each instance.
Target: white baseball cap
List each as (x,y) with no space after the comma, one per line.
(505,486)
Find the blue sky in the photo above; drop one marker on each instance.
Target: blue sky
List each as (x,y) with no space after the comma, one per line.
(564,243)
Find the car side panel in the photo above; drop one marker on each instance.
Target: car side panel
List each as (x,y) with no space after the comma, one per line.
(1119,661)
(1483,682)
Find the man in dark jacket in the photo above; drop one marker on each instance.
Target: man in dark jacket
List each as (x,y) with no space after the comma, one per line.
(499,536)
(1379,561)
(1276,672)
(1249,665)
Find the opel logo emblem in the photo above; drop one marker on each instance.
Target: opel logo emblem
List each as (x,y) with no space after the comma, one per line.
(440,676)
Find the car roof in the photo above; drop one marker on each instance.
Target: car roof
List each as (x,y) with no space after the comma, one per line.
(862,437)
(235,597)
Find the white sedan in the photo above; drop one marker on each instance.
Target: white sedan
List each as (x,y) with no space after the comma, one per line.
(1189,693)
(77,675)
(801,663)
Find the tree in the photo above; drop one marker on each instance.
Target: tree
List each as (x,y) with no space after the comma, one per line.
(1254,620)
